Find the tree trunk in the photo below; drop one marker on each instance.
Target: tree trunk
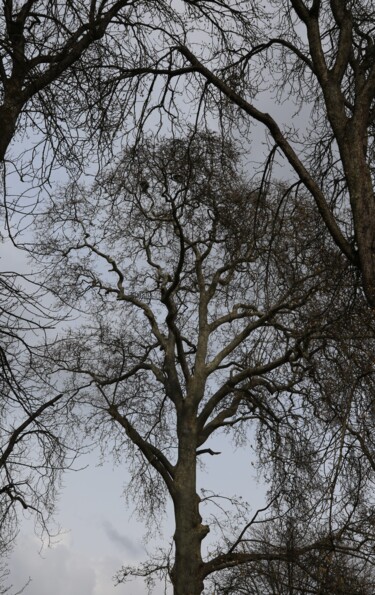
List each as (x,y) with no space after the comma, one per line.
(362,200)
(10,109)
(187,573)
(8,122)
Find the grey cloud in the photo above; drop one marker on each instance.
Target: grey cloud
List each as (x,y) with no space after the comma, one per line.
(120,540)
(59,571)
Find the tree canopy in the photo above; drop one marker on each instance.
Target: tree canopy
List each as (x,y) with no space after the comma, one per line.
(232,300)
(214,308)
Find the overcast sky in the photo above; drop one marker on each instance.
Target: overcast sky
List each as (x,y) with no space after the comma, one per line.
(100,533)
(98,536)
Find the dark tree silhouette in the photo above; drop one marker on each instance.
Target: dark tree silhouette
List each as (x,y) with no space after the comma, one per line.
(209,312)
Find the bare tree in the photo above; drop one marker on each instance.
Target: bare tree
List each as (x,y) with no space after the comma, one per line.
(316,55)
(44,48)
(324,54)
(78,76)
(318,572)
(31,454)
(47,50)
(211,307)
(36,441)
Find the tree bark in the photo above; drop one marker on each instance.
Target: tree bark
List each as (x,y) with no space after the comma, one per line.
(8,122)
(187,574)
(353,153)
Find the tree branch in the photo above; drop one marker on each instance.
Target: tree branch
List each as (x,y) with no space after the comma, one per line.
(154,456)
(284,145)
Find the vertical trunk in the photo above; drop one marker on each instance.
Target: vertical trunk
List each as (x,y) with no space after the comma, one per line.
(364,221)
(351,134)
(8,121)
(358,175)
(9,113)
(187,575)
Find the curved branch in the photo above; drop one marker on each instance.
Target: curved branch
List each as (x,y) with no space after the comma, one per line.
(154,456)
(17,433)
(284,145)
